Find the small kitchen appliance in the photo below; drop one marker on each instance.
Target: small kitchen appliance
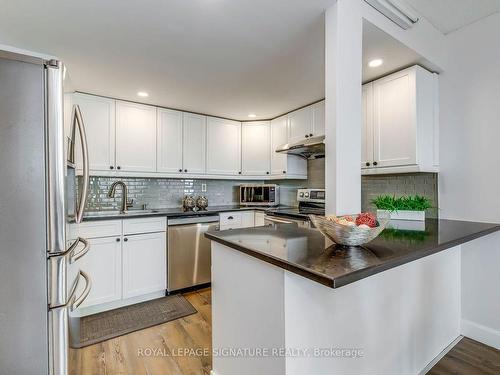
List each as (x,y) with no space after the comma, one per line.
(259,195)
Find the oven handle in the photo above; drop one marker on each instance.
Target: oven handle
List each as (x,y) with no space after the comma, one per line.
(279,221)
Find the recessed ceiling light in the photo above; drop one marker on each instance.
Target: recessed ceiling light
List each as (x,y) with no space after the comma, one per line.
(375,63)
(143,94)
(252,115)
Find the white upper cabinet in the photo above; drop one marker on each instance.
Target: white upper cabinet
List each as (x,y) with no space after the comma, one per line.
(194,143)
(399,120)
(255,148)
(318,126)
(394,121)
(169,141)
(131,139)
(284,165)
(279,137)
(135,137)
(367,156)
(300,124)
(181,143)
(99,118)
(223,146)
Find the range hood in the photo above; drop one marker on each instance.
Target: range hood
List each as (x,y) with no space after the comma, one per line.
(308,148)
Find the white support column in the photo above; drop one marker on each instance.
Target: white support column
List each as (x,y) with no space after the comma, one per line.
(343,75)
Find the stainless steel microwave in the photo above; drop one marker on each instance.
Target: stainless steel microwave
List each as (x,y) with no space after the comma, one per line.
(259,195)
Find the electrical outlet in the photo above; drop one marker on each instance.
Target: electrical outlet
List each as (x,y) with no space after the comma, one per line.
(203,188)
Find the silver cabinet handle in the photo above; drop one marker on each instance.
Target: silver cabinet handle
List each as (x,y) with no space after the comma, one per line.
(78,120)
(88,286)
(75,256)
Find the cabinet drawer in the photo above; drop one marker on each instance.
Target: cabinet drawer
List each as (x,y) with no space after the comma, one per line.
(230,220)
(144,225)
(94,229)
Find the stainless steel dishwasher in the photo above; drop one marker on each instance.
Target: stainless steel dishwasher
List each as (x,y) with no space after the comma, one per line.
(189,260)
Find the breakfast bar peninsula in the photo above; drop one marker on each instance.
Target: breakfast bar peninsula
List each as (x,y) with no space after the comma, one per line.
(288,301)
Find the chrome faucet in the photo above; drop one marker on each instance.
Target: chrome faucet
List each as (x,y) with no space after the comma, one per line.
(111,194)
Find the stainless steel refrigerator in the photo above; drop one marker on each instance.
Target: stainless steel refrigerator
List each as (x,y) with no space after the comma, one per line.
(37,288)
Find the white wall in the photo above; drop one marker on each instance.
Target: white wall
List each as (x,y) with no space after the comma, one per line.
(469,182)
(343,43)
(343,53)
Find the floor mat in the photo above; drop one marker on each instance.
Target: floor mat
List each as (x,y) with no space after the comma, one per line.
(109,324)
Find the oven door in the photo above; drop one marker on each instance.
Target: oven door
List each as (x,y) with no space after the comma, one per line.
(273,220)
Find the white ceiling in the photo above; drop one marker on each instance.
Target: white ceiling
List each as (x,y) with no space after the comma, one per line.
(451,15)
(220,57)
(377,44)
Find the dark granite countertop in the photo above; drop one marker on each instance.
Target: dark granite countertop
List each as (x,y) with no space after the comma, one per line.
(168,212)
(307,252)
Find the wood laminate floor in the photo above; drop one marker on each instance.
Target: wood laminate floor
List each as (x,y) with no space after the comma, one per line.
(469,357)
(156,350)
(159,350)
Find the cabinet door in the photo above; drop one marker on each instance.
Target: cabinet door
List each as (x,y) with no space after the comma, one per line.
(135,137)
(144,264)
(247,219)
(103,263)
(367,156)
(169,141)
(394,122)
(255,146)
(318,118)
(223,146)
(259,219)
(194,143)
(279,137)
(99,118)
(300,124)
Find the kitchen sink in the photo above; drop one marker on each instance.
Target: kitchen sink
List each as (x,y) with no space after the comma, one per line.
(131,212)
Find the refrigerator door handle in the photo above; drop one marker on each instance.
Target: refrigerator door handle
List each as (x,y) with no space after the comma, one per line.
(56,211)
(88,286)
(75,256)
(78,120)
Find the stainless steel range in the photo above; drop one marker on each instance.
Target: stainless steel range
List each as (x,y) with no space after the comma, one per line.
(311,201)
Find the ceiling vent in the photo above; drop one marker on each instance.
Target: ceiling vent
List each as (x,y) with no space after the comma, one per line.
(397,12)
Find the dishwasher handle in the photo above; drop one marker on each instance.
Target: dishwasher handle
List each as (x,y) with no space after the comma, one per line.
(193,220)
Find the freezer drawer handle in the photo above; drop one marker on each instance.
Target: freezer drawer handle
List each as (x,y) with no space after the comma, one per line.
(88,286)
(75,256)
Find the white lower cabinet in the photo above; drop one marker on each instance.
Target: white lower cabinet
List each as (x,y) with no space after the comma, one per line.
(241,219)
(144,264)
(247,219)
(103,263)
(259,220)
(125,267)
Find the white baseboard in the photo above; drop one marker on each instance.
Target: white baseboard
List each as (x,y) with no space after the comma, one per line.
(445,351)
(483,334)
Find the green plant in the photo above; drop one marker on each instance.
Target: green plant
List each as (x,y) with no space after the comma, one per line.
(408,203)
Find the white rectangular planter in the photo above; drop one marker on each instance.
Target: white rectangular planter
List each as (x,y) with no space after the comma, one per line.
(402,215)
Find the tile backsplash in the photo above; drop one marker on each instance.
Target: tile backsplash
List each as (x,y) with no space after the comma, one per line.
(168,192)
(160,192)
(424,184)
